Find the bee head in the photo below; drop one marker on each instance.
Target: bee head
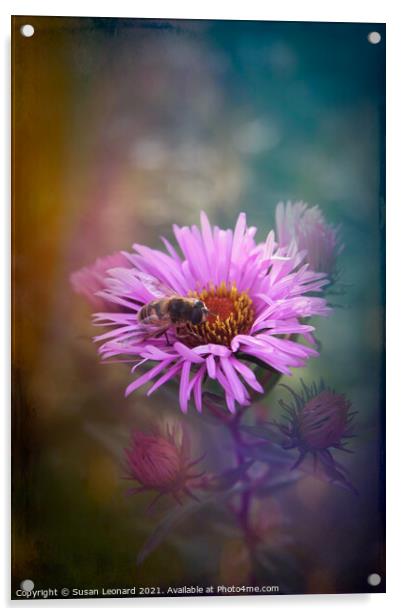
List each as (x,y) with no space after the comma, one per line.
(199,313)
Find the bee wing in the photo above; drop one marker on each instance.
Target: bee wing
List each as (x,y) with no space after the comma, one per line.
(125,343)
(154,286)
(154,321)
(145,333)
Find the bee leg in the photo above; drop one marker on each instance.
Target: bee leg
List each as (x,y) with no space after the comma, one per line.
(185,333)
(196,336)
(161,332)
(164,333)
(182,333)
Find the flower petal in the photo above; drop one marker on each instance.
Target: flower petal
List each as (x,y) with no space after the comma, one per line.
(184,392)
(211,367)
(169,374)
(187,353)
(233,380)
(214,349)
(195,384)
(147,376)
(247,374)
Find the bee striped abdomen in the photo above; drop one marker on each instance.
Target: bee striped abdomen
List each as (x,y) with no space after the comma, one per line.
(153,312)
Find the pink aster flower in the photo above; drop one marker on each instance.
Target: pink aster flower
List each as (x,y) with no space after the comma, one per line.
(257,294)
(308,228)
(318,420)
(161,463)
(88,281)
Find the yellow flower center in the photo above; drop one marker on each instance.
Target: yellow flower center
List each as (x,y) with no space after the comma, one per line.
(231,314)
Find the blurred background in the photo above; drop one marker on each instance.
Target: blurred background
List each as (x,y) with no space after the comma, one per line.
(122,128)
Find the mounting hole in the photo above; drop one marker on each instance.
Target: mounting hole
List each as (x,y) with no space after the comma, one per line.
(374,38)
(27,30)
(27,585)
(374,579)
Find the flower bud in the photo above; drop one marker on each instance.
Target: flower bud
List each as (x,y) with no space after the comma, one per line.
(323,420)
(161,462)
(308,228)
(319,419)
(154,461)
(88,281)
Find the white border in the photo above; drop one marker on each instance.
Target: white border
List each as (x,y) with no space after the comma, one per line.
(308,10)
(296,10)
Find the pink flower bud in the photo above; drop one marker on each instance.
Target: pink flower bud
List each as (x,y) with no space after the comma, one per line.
(154,462)
(161,462)
(88,281)
(308,228)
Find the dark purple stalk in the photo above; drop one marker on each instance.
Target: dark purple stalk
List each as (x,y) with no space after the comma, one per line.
(269,381)
(242,512)
(246,496)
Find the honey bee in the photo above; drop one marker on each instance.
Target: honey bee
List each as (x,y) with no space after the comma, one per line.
(167,310)
(174,310)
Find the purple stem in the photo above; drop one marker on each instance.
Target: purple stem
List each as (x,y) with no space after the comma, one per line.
(243,511)
(246,496)
(233,425)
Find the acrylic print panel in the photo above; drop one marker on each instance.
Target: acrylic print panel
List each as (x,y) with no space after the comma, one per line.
(198,351)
